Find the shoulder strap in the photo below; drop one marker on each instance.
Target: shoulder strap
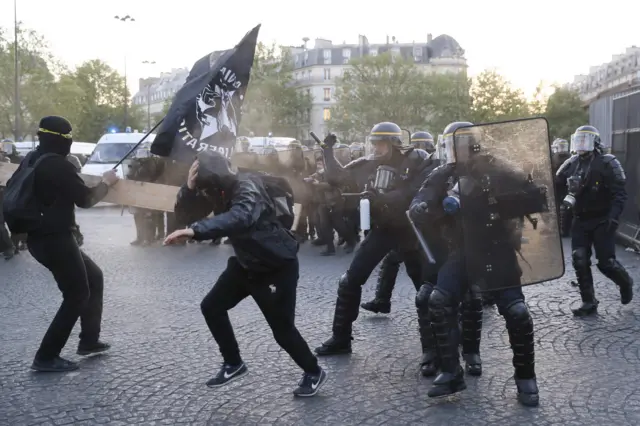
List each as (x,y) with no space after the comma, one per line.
(42,157)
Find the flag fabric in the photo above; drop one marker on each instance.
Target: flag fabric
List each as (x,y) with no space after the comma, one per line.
(206,111)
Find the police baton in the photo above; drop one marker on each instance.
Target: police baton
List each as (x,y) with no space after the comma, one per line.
(421,240)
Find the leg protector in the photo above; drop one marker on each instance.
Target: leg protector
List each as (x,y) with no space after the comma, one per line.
(430,362)
(444,322)
(472,332)
(582,264)
(387,277)
(520,328)
(613,270)
(349,293)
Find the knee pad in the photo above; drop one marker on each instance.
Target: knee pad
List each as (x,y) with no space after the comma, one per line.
(346,286)
(581,259)
(422,297)
(439,300)
(610,264)
(517,312)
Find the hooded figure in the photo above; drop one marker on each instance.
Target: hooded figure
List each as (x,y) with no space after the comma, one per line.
(265,264)
(58,189)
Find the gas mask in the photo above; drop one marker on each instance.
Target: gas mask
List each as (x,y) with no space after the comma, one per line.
(385,177)
(574,187)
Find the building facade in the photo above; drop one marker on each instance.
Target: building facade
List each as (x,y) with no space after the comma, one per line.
(153,92)
(317,69)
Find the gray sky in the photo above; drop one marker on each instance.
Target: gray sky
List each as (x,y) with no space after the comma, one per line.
(527,42)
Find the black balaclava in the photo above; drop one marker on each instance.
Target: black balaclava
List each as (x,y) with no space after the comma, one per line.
(54,134)
(215,172)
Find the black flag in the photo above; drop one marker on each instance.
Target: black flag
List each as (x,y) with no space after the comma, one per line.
(206,111)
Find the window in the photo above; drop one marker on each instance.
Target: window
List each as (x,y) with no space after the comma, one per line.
(327,94)
(326,54)
(373,51)
(326,114)
(327,73)
(395,52)
(346,55)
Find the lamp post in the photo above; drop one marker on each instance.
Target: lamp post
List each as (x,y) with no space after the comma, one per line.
(149,96)
(16,102)
(125,18)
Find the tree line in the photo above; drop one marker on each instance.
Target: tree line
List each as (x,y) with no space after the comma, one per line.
(92,96)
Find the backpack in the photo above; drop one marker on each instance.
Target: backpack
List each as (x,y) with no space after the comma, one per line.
(281,194)
(22,211)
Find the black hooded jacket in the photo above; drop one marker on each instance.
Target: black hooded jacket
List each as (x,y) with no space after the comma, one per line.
(245,213)
(59,188)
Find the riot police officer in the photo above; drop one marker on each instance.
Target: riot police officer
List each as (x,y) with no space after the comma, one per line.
(560,154)
(596,195)
(396,173)
(423,140)
(435,202)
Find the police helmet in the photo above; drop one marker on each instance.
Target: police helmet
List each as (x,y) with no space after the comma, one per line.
(423,140)
(559,146)
(586,139)
(386,132)
(467,138)
(357,150)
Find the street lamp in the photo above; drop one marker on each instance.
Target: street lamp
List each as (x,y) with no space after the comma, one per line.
(16,101)
(125,18)
(149,96)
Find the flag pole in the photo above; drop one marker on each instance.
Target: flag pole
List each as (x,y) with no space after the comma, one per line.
(138,144)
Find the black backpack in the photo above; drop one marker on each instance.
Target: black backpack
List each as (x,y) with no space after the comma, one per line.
(22,211)
(281,195)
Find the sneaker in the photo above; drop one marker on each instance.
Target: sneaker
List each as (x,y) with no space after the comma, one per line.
(92,348)
(310,384)
(228,373)
(55,365)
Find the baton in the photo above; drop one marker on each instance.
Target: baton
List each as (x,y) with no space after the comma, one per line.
(421,240)
(317,139)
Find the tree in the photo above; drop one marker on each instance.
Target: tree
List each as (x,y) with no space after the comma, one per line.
(538,105)
(92,98)
(448,99)
(375,89)
(565,112)
(494,99)
(272,102)
(36,71)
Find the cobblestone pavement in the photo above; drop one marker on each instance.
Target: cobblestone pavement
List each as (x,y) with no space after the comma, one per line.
(163,354)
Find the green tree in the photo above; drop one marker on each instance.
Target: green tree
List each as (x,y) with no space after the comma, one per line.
(36,85)
(494,99)
(565,112)
(272,102)
(375,89)
(99,94)
(538,105)
(447,98)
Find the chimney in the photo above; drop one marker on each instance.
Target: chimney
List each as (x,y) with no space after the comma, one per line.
(429,37)
(387,39)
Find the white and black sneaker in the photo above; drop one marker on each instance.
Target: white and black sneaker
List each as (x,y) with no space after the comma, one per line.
(227,373)
(311,383)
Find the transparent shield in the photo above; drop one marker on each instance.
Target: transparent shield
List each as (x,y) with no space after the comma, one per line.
(507,204)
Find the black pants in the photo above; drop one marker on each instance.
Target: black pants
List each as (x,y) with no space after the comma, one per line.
(81,282)
(332,219)
(376,245)
(275,294)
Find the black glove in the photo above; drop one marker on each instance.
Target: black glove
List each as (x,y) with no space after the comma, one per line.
(329,141)
(418,212)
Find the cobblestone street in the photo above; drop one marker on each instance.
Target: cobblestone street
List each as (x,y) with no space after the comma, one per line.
(163,354)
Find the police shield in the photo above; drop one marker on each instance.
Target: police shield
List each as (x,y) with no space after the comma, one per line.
(508,210)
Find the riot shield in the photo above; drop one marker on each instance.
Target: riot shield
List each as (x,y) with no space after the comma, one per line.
(508,212)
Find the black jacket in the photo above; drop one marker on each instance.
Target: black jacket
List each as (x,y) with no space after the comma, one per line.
(59,189)
(245,214)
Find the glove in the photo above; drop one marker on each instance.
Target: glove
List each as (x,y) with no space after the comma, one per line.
(329,141)
(418,212)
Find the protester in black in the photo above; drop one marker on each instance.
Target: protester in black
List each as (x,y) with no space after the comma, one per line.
(58,189)
(265,265)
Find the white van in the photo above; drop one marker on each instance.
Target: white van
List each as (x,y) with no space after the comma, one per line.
(109,151)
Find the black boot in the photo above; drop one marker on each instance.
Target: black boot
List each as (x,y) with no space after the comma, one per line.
(430,362)
(472,333)
(381,304)
(445,326)
(587,293)
(346,313)
(521,338)
(613,270)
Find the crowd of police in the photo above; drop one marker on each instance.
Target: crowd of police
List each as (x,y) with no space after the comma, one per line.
(414,193)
